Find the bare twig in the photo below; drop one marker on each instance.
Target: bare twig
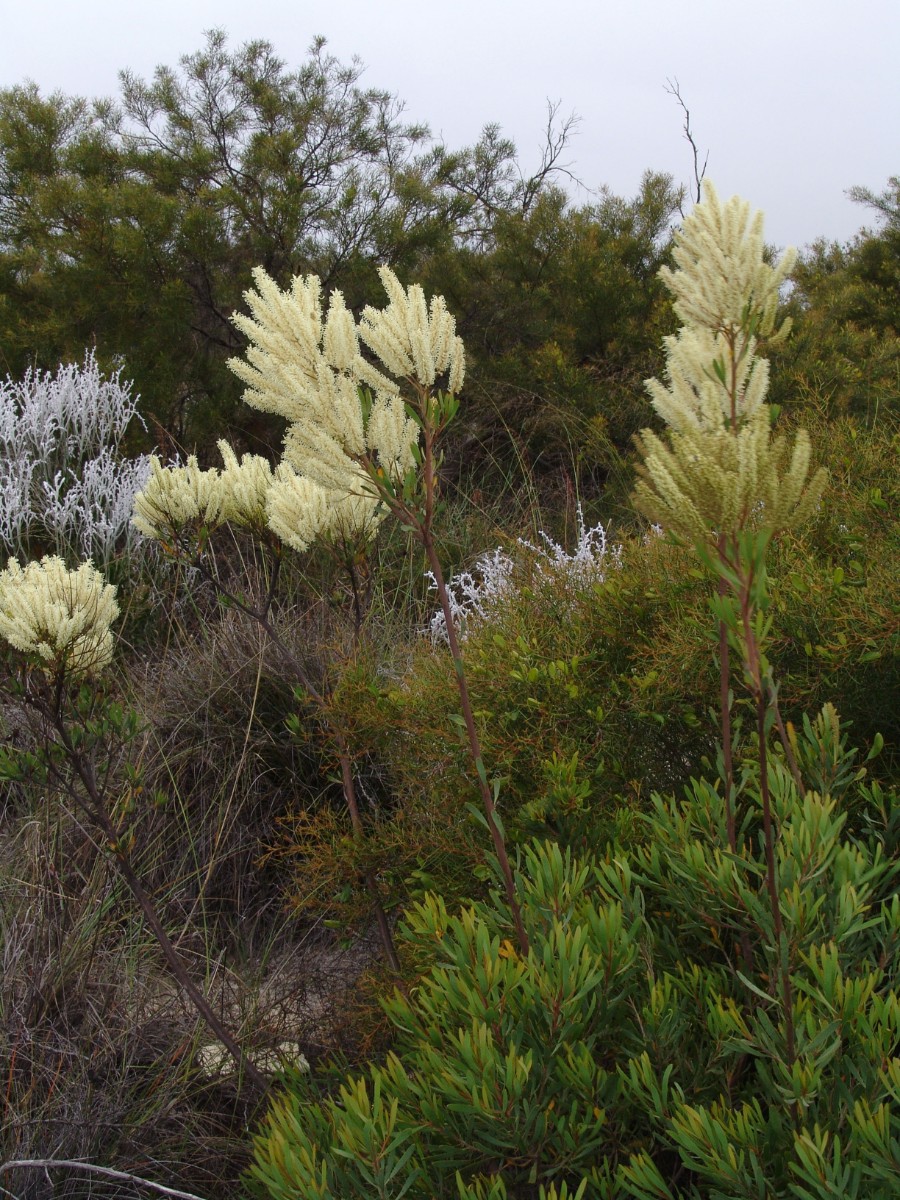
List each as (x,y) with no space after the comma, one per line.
(25,1164)
(81,770)
(321,699)
(673,87)
(557,136)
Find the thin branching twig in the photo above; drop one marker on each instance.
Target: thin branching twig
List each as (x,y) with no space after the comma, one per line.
(673,87)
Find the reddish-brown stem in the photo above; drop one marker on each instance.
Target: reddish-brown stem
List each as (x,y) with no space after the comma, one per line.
(384,928)
(727,749)
(490,810)
(424,532)
(724,652)
(420,522)
(725,713)
(753,662)
(754,666)
(772,883)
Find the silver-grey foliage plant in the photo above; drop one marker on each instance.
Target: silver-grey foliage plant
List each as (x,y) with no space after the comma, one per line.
(474,597)
(65,485)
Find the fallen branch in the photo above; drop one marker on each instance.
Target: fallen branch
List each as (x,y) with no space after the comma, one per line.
(108,1172)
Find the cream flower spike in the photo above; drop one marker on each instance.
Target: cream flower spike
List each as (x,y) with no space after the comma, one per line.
(721,268)
(297,509)
(309,371)
(693,397)
(726,295)
(298,366)
(62,616)
(244,487)
(722,470)
(177,496)
(411,340)
(284,334)
(339,340)
(391,434)
(708,482)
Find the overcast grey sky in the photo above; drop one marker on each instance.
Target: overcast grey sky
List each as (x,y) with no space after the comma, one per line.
(796,100)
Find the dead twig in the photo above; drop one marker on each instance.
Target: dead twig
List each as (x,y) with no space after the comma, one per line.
(23,1164)
(674,89)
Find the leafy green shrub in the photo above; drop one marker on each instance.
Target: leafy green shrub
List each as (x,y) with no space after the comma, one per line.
(635,1048)
(590,697)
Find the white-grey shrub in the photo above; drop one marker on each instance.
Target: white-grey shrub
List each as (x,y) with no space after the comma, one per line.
(474,595)
(65,486)
(588,562)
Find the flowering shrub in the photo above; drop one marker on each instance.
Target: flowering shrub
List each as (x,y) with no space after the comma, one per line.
(360,445)
(176,499)
(721,464)
(64,484)
(310,371)
(347,419)
(63,617)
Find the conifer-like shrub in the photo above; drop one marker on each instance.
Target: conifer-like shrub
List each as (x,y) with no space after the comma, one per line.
(630,1052)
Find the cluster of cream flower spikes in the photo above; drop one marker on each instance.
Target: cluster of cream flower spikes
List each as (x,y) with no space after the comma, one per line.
(721,464)
(62,617)
(310,370)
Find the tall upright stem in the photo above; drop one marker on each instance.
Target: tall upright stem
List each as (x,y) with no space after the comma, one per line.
(754,667)
(425,534)
(727,748)
(725,715)
(784,967)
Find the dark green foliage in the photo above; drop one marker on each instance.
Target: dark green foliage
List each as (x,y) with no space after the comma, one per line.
(562,317)
(133,226)
(844,356)
(87,249)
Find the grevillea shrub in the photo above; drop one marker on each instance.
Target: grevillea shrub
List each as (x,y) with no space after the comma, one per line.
(632,1050)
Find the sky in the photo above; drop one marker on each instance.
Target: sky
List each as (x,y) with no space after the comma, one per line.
(795,100)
